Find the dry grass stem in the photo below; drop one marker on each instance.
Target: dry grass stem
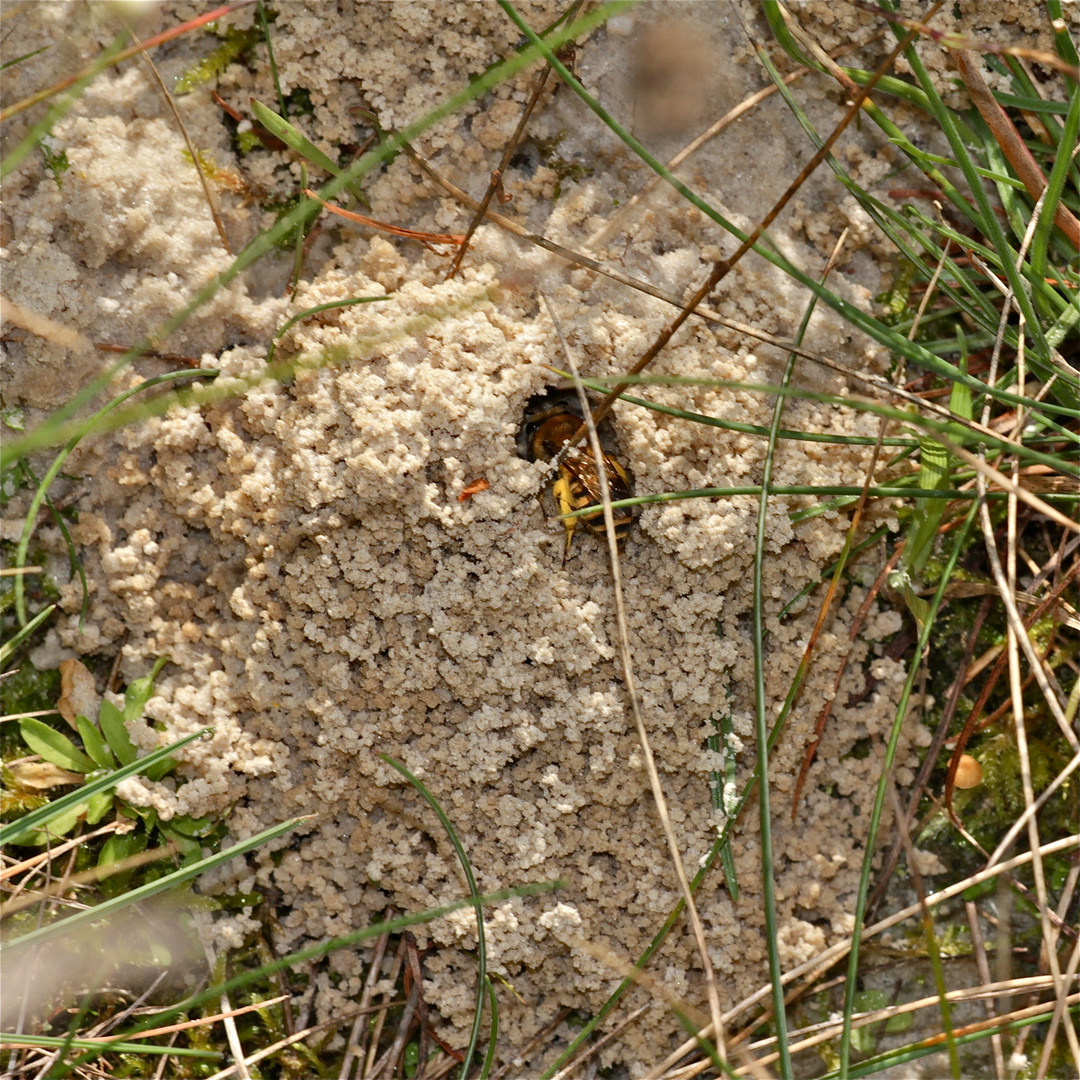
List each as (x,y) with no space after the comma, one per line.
(716,1028)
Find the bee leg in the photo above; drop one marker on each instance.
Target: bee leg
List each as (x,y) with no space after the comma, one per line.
(564,500)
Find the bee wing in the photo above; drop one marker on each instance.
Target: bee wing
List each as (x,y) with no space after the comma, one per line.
(582,468)
(584,479)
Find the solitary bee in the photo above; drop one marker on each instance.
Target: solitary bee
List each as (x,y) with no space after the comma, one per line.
(550,420)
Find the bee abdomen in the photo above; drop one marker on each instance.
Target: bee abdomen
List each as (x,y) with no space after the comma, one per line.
(624,521)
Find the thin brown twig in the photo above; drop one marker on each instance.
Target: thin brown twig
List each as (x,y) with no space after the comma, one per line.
(382,226)
(540,1036)
(952,40)
(124,54)
(354,1048)
(856,626)
(373,1046)
(192,151)
(978,948)
(724,266)
(290,1040)
(84,877)
(600,1043)
(1012,145)
(830,1030)
(873,382)
(1033,617)
(498,172)
(397,1047)
(414,977)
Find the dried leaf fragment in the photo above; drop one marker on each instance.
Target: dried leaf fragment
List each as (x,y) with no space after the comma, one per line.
(78,693)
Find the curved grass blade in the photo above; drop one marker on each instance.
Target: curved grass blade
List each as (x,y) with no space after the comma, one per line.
(54,469)
(14,831)
(153,888)
(474,893)
(493,1005)
(9,646)
(289,323)
(317,952)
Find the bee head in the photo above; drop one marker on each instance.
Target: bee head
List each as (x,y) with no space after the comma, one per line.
(544,411)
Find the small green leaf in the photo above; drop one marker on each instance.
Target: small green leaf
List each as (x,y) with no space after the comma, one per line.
(120,846)
(188,848)
(54,827)
(161,769)
(94,744)
(191,827)
(116,847)
(869,1000)
(112,724)
(141,691)
(296,140)
(412,1058)
(98,806)
(53,746)
(900,1022)
(918,607)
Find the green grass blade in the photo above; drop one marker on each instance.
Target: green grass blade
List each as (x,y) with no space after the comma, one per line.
(474,893)
(1055,185)
(1039,351)
(57,465)
(59,108)
(265,24)
(25,56)
(296,140)
(24,632)
(170,881)
(1063,41)
(330,306)
(100,1046)
(959,541)
(14,831)
(493,1039)
(317,952)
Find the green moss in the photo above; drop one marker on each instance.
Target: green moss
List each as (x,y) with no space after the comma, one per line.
(56,159)
(560,166)
(234,44)
(28,690)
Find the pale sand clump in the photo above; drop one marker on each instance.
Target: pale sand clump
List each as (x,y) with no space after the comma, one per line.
(302,556)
